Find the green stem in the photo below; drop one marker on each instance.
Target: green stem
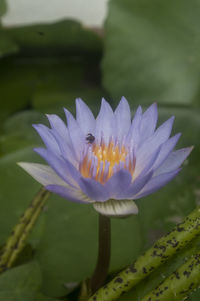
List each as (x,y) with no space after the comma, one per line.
(161,251)
(16,241)
(179,284)
(102,266)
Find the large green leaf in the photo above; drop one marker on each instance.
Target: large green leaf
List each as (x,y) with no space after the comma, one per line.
(3,7)
(21,80)
(152,50)
(18,131)
(71,63)
(60,38)
(20,283)
(7,45)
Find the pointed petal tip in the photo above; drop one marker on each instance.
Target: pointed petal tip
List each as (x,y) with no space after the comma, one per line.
(79,100)
(26,166)
(116,208)
(172,118)
(123,101)
(123,98)
(34,125)
(188,150)
(21,164)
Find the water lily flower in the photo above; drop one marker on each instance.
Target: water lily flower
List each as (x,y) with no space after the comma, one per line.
(108,161)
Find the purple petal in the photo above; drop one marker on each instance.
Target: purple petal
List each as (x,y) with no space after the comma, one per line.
(118,183)
(145,161)
(61,135)
(156,183)
(76,134)
(95,190)
(69,194)
(84,117)
(149,121)
(158,138)
(133,137)
(166,148)
(42,173)
(105,122)
(47,137)
(123,118)
(174,160)
(61,166)
(58,126)
(137,185)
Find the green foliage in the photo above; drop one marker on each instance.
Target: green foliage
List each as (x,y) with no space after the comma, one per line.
(7,46)
(66,226)
(55,64)
(60,38)
(43,84)
(152,51)
(3,7)
(20,283)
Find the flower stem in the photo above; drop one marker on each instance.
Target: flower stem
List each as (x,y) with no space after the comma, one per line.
(102,266)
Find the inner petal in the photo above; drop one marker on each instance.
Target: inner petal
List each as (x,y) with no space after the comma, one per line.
(100,160)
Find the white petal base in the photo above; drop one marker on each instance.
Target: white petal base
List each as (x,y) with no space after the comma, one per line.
(116,208)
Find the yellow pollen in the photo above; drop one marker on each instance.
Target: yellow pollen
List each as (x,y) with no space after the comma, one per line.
(112,154)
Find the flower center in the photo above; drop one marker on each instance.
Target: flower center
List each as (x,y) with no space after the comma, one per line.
(100,161)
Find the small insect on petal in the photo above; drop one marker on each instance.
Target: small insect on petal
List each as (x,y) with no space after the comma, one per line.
(90,138)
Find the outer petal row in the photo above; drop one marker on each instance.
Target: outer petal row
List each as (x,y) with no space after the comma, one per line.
(52,182)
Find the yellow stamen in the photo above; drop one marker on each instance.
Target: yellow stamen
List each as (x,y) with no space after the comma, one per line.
(111,153)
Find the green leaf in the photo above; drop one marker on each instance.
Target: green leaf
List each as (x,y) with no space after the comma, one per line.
(60,38)
(7,45)
(3,7)
(54,101)
(41,297)
(20,283)
(152,51)
(18,131)
(47,84)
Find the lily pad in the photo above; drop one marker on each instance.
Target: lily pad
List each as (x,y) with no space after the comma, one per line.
(152,51)
(3,7)
(7,45)
(59,38)
(20,283)
(21,79)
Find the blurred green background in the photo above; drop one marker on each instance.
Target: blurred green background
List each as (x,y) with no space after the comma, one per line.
(147,51)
